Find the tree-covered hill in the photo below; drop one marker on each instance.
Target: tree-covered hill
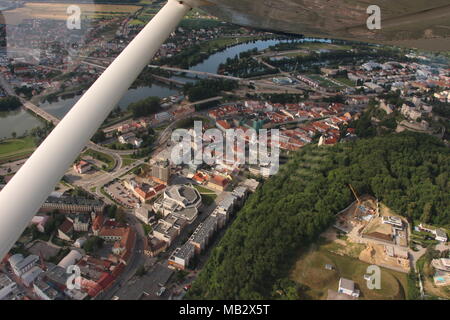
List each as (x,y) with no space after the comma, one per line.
(408,171)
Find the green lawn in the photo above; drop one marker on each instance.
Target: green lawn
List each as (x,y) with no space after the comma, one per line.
(324,82)
(11,149)
(127,161)
(203,189)
(310,271)
(208,199)
(221,43)
(346,81)
(103,157)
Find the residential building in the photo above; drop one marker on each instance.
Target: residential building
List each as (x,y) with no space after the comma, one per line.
(205,230)
(82,167)
(44,291)
(112,234)
(410,111)
(29,276)
(124,246)
(169,228)
(126,138)
(81,223)
(161,171)
(251,184)
(144,191)
(153,246)
(70,259)
(442,264)
(218,183)
(182,256)
(79,242)
(65,230)
(66,204)
(7,286)
(20,265)
(347,287)
(40,222)
(145,215)
(394,221)
(440,235)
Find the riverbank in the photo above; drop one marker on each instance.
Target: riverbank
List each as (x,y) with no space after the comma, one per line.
(16,149)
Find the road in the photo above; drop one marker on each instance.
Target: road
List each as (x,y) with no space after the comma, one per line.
(136,260)
(200,73)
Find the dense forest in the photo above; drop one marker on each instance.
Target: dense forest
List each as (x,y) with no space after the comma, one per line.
(409,172)
(208,88)
(145,107)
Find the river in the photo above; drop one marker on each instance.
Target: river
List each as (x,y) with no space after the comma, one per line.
(23,121)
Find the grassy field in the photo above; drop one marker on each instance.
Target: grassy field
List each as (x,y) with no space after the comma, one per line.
(224,42)
(346,81)
(127,161)
(203,189)
(309,271)
(14,149)
(58,11)
(103,157)
(324,82)
(208,198)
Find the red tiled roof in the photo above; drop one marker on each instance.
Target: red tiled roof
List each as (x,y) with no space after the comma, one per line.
(219,180)
(224,124)
(98,222)
(112,232)
(66,226)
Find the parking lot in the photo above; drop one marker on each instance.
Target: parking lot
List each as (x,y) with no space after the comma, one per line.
(122,195)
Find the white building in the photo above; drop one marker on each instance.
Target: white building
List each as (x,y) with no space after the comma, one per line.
(180,200)
(44,291)
(29,276)
(181,257)
(81,223)
(143,214)
(20,265)
(79,242)
(394,221)
(6,286)
(440,235)
(71,259)
(82,167)
(347,287)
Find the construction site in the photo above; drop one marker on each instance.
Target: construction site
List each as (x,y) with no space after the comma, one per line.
(384,234)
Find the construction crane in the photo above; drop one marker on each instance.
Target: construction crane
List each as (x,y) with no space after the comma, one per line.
(354,193)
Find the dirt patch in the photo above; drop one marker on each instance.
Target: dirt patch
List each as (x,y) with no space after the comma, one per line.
(375,254)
